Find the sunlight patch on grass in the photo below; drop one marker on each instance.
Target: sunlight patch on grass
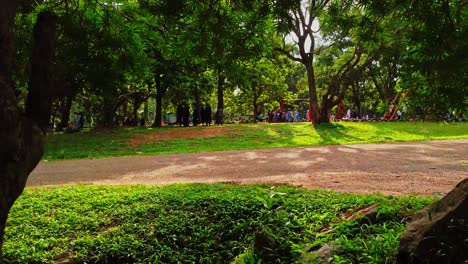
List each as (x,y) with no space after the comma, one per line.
(109,143)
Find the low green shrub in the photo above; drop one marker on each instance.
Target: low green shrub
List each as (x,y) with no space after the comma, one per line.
(199,223)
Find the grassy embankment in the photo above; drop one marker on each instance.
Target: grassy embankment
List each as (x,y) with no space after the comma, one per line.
(199,224)
(109,143)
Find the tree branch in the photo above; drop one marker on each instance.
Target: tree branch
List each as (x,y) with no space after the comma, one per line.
(289,55)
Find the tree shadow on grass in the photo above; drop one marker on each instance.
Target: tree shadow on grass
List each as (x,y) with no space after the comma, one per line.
(326,134)
(335,134)
(405,131)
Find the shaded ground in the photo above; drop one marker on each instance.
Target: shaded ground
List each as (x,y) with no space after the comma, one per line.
(426,168)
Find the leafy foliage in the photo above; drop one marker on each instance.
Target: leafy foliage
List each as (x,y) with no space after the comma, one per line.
(434,60)
(113,57)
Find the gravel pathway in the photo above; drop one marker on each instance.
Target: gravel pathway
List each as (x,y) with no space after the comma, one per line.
(424,168)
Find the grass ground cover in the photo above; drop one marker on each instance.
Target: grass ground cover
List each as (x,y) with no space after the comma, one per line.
(108,143)
(199,223)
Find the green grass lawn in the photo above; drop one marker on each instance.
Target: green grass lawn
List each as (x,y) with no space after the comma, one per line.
(108,143)
(199,223)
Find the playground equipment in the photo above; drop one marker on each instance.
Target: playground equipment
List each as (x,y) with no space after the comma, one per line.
(400,97)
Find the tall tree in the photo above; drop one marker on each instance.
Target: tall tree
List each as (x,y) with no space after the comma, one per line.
(437,61)
(260,82)
(343,35)
(22,135)
(299,19)
(229,31)
(341,75)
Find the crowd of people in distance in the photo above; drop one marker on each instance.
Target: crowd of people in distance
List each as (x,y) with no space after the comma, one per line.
(347,114)
(287,116)
(184,118)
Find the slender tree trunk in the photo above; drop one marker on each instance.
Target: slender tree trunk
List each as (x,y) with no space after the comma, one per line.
(313,94)
(22,136)
(198,104)
(136,105)
(358,109)
(160,90)
(65,111)
(219,116)
(356,98)
(390,94)
(255,103)
(221,94)
(124,111)
(146,112)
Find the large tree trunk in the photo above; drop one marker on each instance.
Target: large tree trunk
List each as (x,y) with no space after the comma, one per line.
(136,105)
(313,94)
(219,116)
(325,110)
(22,136)
(38,101)
(9,114)
(108,111)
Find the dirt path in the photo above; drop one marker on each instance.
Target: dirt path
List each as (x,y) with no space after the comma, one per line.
(427,168)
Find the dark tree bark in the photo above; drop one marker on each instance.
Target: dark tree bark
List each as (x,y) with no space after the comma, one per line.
(219,116)
(9,115)
(357,97)
(160,92)
(137,101)
(108,111)
(313,103)
(325,109)
(112,102)
(124,110)
(198,104)
(38,101)
(22,136)
(65,111)
(146,111)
